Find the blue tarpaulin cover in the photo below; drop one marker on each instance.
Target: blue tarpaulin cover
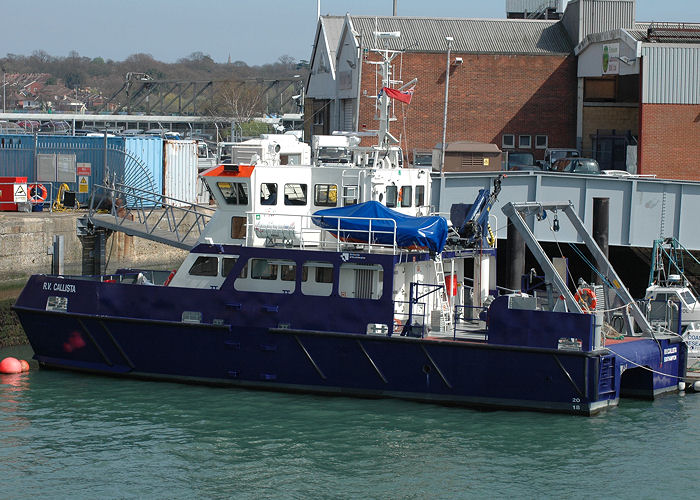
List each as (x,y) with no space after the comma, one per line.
(428,233)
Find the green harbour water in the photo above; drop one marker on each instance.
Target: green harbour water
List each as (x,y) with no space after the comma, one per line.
(67,435)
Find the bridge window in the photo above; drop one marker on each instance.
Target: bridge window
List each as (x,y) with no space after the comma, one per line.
(235,193)
(350,195)
(325,195)
(268,193)
(405,197)
(420,196)
(392,193)
(205,266)
(295,194)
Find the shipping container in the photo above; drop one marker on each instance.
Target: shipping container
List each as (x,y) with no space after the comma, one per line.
(134,161)
(180,171)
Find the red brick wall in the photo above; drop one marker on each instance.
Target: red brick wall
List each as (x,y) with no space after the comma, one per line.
(489,95)
(669,141)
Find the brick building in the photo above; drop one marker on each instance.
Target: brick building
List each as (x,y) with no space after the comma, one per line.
(522,84)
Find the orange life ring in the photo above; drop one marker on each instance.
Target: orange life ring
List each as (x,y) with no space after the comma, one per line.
(586,297)
(37,193)
(398,326)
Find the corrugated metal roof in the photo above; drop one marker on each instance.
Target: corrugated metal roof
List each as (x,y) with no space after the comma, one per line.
(491,36)
(671,74)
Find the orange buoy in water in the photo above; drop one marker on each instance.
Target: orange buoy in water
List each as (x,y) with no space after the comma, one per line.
(10,365)
(25,365)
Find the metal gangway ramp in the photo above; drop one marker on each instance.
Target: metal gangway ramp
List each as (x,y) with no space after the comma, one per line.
(146,214)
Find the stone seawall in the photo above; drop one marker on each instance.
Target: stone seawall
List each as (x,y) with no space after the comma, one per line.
(25,240)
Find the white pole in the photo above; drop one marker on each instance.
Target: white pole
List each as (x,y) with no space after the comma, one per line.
(444,117)
(318,10)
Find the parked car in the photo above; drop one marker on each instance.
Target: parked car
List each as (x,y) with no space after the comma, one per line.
(576,166)
(30,126)
(551,155)
(521,161)
(55,127)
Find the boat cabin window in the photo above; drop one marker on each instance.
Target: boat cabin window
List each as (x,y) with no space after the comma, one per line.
(349,195)
(191,317)
(235,193)
(262,269)
(420,196)
(317,278)
(267,275)
(227,265)
(295,194)
(326,195)
(268,193)
(405,196)
(688,298)
(205,266)
(361,281)
(288,272)
(290,159)
(392,194)
(238,227)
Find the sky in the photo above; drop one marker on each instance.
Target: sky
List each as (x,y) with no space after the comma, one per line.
(253,31)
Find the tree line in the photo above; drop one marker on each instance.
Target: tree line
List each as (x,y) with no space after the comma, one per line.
(107,76)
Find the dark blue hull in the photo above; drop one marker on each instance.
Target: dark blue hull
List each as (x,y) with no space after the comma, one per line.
(136,331)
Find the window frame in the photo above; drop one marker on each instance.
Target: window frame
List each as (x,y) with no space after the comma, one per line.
(529,141)
(503,141)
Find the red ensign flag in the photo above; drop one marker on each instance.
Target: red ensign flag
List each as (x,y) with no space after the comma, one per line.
(399,95)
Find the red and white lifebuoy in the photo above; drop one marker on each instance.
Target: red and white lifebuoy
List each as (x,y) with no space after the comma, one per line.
(586,298)
(37,193)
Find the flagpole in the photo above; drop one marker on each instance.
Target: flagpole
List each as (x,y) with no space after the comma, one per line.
(448,39)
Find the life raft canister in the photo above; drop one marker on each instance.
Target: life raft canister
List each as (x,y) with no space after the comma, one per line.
(37,193)
(586,298)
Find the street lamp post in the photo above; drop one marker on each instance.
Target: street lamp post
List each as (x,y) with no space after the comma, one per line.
(449,40)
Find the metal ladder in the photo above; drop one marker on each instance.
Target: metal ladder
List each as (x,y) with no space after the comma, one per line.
(443,298)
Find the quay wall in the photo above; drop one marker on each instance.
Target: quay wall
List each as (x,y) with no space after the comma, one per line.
(25,239)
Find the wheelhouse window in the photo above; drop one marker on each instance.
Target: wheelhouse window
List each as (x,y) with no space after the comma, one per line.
(205,266)
(295,194)
(235,193)
(420,196)
(326,195)
(392,193)
(406,195)
(268,193)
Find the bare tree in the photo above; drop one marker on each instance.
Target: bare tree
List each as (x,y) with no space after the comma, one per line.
(236,103)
